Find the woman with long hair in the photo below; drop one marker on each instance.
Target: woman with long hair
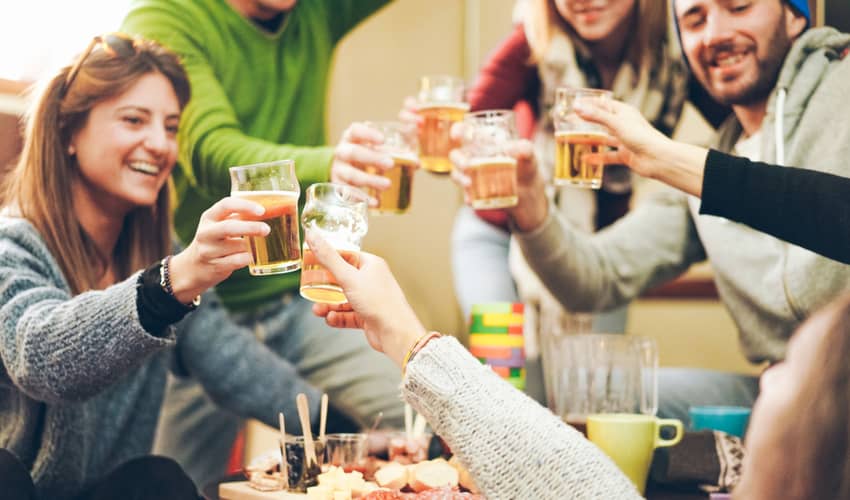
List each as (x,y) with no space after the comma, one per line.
(87,301)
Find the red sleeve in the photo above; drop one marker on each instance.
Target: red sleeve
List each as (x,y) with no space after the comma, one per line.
(507,81)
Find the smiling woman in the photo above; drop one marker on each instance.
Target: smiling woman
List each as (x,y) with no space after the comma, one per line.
(87,340)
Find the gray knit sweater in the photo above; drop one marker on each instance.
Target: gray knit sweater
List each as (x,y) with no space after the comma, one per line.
(514,448)
(82,382)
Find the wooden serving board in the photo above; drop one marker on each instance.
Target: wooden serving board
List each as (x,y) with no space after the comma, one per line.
(241,491)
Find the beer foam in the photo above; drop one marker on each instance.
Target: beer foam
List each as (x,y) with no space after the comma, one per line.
(570,133)
(265,194)
(492,160)
(464,106)
(405,157)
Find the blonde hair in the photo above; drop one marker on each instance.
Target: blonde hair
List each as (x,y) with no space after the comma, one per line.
(39,186)
(646,35)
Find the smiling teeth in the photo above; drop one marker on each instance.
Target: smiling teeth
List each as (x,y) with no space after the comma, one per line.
(729,60)
(144,167)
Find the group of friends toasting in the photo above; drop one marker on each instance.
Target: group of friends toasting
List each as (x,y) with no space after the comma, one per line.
(132,327)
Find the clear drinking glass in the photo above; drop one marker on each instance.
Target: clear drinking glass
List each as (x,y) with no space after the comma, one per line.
(299,474)
(442,102)
(575,138)
(340,214)
(346,450)
(401,146)
(491,171)
(604,373)
(273,185)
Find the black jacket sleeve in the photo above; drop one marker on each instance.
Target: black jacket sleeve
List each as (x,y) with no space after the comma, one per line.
(808,208)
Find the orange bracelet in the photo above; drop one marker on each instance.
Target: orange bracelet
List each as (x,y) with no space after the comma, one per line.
(417,346)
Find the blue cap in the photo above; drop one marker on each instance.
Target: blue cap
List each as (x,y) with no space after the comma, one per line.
(801,6)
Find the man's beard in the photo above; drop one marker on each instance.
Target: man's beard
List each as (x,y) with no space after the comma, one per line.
(768,73)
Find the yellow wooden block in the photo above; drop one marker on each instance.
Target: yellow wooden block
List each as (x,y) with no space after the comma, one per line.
(491,340)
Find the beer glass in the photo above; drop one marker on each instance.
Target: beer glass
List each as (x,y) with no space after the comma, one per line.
(442,102)
(603,373)
(274,186)
(401,146)
(575,138)
(339,213)
(492,173)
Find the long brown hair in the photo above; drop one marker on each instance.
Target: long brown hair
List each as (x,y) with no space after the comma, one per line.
(39,187)
(819,436)
(646,35)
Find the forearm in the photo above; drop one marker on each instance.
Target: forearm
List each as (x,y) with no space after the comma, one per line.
(70,349)
(797,205)
(223,148)
(681,165)
(656,242)
(513,447)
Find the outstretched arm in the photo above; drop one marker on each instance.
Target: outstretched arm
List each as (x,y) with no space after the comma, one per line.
(513,447)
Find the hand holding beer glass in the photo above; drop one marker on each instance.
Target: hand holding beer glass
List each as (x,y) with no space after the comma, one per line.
(274,186)
(442,102)
(576,138)
(401,147)
(339,213)
(491,171)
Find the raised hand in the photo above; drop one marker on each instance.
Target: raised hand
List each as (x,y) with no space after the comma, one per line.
(219,247)
(354,153)
(532,205)
(638,145)
(376,303)
(646,150)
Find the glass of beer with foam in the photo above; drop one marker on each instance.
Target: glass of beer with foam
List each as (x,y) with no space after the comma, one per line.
(575,138)
(400,144)
(340,214)
(492,172)
(442,102)
(274,186)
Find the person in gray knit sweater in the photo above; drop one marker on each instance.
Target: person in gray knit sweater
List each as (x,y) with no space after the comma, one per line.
(516,449)
(88,339)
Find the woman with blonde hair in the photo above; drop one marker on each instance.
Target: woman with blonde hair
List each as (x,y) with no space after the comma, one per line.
(88,304)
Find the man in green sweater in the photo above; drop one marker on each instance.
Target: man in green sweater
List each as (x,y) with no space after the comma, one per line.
(259,71)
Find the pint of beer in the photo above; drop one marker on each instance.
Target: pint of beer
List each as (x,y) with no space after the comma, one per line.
(401,146)
(339,214)
(441,103)
(576,138)
(492,173)
(274,186)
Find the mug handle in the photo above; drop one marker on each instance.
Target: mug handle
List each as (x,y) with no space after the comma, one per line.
(660,423)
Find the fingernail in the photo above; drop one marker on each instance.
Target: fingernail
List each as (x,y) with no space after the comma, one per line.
(259,209)
(266,228)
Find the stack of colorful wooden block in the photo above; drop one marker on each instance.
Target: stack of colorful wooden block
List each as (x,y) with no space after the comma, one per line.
(495,338)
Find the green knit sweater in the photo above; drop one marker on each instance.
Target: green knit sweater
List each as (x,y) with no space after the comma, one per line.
(256,96)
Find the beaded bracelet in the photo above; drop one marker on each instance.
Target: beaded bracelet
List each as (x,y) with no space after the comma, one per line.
(417,346)
(165,283)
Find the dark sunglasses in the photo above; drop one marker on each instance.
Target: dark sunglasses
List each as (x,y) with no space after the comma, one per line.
(114,44)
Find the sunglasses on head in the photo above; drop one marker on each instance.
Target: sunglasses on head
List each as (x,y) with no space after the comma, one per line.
(114,44)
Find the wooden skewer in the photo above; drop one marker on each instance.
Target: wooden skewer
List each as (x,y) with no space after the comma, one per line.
(323,416)
(304,416)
